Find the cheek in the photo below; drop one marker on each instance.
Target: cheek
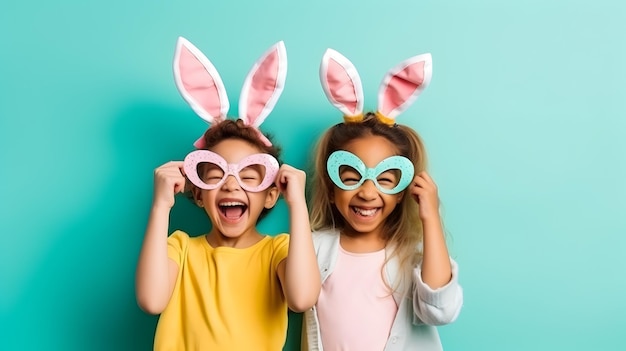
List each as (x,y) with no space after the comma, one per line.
(208,196)
(399,197)
(339,195)
(343,197)
(258,199)
(393,201)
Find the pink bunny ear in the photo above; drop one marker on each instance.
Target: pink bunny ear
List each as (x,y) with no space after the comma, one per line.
(341,83)
(403,84)
(199,83)
(263,86)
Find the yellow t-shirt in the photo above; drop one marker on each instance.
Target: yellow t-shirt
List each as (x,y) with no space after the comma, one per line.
(224,298)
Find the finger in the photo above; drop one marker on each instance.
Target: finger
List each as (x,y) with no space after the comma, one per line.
(280,182)
(179,188)
(419,181)
(417,191)
(170,175)
(422,188)
(172,165)
(424,181)
(286,167)
(424,175)
(179,165)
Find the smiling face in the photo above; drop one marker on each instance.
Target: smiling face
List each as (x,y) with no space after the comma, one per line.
(366,208)
(234,211)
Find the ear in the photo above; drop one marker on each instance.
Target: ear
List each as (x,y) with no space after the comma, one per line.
(263,85)
(196,193)
(341,83)
(272,197)
(199,83)
(403,84)
(400,197)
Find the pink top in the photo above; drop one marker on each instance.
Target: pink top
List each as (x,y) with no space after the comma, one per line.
(355,308)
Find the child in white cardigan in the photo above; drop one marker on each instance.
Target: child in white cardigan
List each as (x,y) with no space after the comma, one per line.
(387,278)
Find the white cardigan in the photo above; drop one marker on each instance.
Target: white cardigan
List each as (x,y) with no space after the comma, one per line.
(420,308)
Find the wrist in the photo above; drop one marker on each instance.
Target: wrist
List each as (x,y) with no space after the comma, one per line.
(431,219)
(295,205)
(159,207)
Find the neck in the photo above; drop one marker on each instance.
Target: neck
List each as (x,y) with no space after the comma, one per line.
(217,239)
(361,243)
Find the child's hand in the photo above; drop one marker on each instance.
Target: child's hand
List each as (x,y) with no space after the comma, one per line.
(290,182)
(168,181)
(424,191)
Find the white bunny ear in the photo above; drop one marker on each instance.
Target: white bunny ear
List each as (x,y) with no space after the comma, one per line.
(199,83)
(341,83)
(263,85)
(403,84)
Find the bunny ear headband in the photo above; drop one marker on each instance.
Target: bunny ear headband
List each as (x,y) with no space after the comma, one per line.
(399,89)
(202,88)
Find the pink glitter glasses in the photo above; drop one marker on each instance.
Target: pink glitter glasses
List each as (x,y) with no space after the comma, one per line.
(254,173)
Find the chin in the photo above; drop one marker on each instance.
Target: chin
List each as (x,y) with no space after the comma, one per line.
(232,233)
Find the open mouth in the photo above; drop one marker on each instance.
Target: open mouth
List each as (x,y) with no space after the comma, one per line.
(364,212)
(232,209)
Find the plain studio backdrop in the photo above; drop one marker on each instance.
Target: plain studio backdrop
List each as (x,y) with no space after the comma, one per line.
(524,122)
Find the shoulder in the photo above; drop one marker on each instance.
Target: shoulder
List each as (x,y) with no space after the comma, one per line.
(178,246)
(178,238)
(280,239)
(183,241)
(325,237)
(278,248)
(326,243)
(325,234)
(179,234)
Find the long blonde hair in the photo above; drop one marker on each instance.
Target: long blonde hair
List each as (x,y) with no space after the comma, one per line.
(403,228)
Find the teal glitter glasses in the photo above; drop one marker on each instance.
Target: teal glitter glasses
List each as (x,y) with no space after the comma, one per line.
(344,158)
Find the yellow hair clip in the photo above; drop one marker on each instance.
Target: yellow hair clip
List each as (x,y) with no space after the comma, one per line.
(384,119)
(353,119)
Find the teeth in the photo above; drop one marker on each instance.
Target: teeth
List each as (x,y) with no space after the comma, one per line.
(232,203)
(365,213)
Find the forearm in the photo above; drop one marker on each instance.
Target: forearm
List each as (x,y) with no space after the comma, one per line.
(302,276)
(437,306)
(436,270)
(151,281)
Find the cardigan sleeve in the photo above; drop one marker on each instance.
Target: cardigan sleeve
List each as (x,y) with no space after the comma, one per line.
(436,306)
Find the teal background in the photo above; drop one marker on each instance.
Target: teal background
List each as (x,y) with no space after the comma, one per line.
(524,121)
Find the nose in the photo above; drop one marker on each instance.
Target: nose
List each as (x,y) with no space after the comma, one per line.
(230,184)
(368,190)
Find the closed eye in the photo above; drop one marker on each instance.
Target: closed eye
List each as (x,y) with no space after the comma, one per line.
(213,175)
(349,180)
(252,174)
(213,179)
(349,175)
(388,179)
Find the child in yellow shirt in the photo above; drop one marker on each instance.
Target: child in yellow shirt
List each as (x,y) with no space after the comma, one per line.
(228,289)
